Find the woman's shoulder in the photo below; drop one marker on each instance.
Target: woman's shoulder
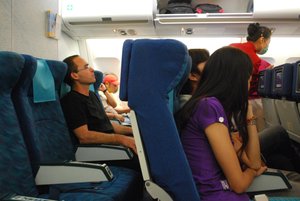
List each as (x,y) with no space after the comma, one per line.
(210,101)
(210,110)
(210,105)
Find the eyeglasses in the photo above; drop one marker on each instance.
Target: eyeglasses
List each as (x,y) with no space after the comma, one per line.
(86,67)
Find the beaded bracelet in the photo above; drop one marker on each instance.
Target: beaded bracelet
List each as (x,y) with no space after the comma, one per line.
(251,121)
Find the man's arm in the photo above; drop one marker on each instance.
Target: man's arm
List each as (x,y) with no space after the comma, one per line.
(125,130)
(86,136)
(115,116)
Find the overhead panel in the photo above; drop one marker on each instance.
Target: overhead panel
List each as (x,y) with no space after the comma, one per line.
(92,18)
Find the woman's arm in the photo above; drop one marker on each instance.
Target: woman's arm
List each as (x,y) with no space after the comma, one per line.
(252,149)
(110,99)
(219,139)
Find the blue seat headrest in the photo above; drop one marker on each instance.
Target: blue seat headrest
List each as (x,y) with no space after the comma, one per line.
(9,75)
(99,78)
(126,54)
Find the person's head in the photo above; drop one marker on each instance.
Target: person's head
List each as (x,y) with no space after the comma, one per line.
(78,71)
(260,36)
(111,82)
(199,57)
(226,76)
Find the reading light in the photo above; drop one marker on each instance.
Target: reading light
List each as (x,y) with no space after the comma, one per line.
(122,32)
(131,32)
(189,31)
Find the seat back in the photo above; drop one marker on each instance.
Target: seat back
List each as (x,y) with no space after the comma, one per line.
(99,79)
(265,83)
(126,55)
(42,120)
(16,174)
(296,81)
(282,77)
(268,101)
(154,70)
(287,106)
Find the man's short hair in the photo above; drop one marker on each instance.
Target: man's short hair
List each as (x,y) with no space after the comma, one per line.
(72,67)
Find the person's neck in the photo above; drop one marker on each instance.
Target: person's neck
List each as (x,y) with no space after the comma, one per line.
(256,45)
(194,87)
(82,89)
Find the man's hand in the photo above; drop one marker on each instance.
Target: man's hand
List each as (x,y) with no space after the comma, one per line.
(127,142)
(119,117)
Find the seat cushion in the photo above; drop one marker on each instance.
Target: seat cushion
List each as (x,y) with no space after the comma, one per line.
(126,185)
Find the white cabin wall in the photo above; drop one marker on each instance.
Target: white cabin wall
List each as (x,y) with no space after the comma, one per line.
(23,29)
(106,54)
(6,25)
(282,49)
(67,47)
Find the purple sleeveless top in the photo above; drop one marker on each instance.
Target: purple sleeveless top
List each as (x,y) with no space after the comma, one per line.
(208,176)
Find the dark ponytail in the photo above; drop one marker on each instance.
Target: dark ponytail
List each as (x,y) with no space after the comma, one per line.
(255,31)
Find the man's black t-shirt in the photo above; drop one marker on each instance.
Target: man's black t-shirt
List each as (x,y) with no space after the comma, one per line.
(80,110)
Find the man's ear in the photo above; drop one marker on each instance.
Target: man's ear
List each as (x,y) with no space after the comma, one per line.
(74,76)
(193,77)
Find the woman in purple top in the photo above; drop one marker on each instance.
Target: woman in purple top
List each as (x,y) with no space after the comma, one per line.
(221,170)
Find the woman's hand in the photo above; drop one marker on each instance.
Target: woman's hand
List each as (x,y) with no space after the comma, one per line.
(102,87)
(261,170)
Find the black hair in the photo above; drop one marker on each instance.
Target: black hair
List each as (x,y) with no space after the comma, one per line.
(255,31)
(198,56)
(224,77)
(72,67)
(179,1)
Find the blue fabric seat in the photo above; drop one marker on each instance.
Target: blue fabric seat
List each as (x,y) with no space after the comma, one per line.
(48,139)
(152,74)
(16,175)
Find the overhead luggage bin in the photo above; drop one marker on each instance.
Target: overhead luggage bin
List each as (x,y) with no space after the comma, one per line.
(233,22)
(94,18)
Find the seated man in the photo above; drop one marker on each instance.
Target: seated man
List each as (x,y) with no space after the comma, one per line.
(85,117)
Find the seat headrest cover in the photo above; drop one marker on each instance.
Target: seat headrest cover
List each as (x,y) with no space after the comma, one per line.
(169,59)
(11,65)
(43,83)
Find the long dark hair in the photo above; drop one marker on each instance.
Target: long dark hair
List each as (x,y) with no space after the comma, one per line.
(225,77)
(255,31)
(198,56)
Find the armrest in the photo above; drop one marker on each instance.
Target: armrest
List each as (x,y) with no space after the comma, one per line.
(92,152)
(72,172)
(12,197)
(269,181)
